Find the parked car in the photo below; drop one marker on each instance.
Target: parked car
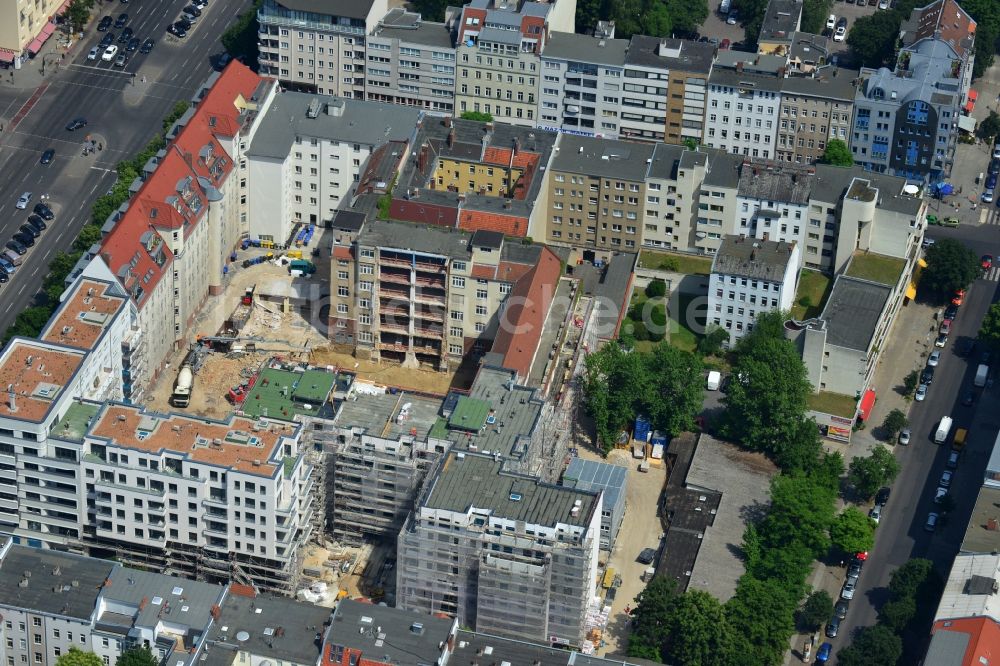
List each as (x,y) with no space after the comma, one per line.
(133,44)
(945,326)
(110,53)
(121,60)
(105,24)
(36,222)
(47,156)
(921,393)
(994,166)
(121,21)
(987,196)
(958,298)
(932,520)
(940,494)
(996,151)
(831,22)
(27,240)
(953,459)
(927,376)
(927,242)
(23,200)
(733,17)
(107,40)
(950,312)
(840,35)
(826,649)
(847,592)
(646,556)
(840,610)
(177,30)
(30,230)
(125,36)
(876,513)
(832,627)
(17,247)
(882,496)
(904,436)
(44,211)
(147,46)
(93,53)
(945,481)
(941,341)
(934,359)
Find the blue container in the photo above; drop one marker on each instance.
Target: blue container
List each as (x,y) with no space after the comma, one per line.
(643,430)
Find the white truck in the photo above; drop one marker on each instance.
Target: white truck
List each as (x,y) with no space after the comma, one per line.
(982,374)
(181,396)
(943,429)
(714,379)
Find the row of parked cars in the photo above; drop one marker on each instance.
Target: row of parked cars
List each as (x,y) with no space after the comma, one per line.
(24,238)
(992,173)
(189,16)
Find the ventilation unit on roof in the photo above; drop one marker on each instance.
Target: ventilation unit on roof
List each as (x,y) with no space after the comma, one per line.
(515,497)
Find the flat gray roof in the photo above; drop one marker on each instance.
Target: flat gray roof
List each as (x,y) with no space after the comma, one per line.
(611,293)
(585,48)
(518,408)
(176,601)
(596,475)
(979,538)
(678,54)
(948,647)
(832,83)
(751,62)
(748,257)
(370,123)
(852,312)
(442,241)
(781,19)
(723,169)
(270,628)
(60,583)
(785,185)
(467,480)
(389,635)
(472,645)
(384,416)
(667,157)
(409,28)
(744,479)
(832,182)
(607,158)
(734,79)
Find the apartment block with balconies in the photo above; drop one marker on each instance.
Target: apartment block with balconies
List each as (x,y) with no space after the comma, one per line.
(316,46)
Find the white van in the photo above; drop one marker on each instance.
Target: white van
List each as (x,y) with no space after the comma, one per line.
(943,429)
(724,6)
(714,379)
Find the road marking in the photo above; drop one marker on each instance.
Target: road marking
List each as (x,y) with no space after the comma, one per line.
(21,290)
(102,70)
(97,168)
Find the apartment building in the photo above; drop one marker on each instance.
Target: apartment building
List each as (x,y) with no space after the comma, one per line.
(596,194)
(742,114)
(750,277)
(611,481)
(411,62)
(498,59)
(310,153)
(24,27)
(212,500)
(673,182)
(581,84)
(814,111)
(501,552)
(716,204)
(664,91)
(169,247)
(782,20)
(429,296)
(948,21)
(383,636)
(318,47)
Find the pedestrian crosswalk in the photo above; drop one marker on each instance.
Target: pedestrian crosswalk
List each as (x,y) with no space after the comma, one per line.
(992,216)
(993,274)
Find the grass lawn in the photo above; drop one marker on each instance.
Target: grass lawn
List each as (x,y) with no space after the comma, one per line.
(876,267)
(681,335)
(833,403)
(678,263)
(812,285)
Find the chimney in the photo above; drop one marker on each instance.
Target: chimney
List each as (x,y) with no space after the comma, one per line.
(447,121)
(451,137)
(739,67)
(12,401)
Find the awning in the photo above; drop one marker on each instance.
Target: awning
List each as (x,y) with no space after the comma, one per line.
(911,291)
(47,31)
(967,123)
(867,402)
(34,46)
(62,8)
(921,262)
(971,101)
(6,56)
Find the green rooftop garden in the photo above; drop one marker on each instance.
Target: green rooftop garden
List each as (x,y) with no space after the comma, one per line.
(833,403)
(876,267)
(675,262)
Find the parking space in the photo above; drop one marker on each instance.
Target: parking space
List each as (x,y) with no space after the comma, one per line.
(715,26)
(852,11)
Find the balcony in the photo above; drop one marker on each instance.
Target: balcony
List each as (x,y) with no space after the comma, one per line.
(429,299)
(394,277)
(135,489)
(393,327)
(429,315)
(209,502)
(387,291)
(426,267)
(264,17)
(390,260)
(435,333)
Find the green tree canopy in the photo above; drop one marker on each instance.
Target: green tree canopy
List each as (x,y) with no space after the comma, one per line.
(651,618)
(872,38)
(137,657)
(989,330)
(874,646)
(950,266)
(711,343)
(852,531)
(837,153)
(656,289)
(868,474)
(817,609)
(989,128)
(77,657)
(894,423)
(897,613)
(240,38)
(477,116)
(764,613)
(907,580)
(698,633)
(78,13)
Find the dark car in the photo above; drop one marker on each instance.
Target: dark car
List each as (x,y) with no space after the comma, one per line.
(122,20)
(147,46)
(4,278)
(133,44)
(882,496)
(951,312)
(986,357)
(177,30)
(24,239)
(185,22)
(647,556)
(832,627)
(840,610)
(927,376)
(192,10)
(854,569)
(37,222)
(17,247)
(30,230)
(47,156)
(994,167)
(104,24)
(991,181)
(222,60)
(107,40)
(966,347)
(969,398)
(44,211)
(76,124)
(125,36)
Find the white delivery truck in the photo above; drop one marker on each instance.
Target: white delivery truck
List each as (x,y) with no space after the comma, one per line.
(714,379)
(982,373)
(943,429)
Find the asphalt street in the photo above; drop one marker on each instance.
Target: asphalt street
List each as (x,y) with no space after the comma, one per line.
(123,113)
(901,534)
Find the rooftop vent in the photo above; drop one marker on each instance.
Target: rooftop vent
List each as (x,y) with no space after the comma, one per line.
(515,497)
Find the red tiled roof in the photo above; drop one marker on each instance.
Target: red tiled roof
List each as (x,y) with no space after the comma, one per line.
(508,225)
(342,252)
(953,22)
(422,212)
(522,322)
(501,156)
(133,250)
(984,637)
(483,272)
(509,271)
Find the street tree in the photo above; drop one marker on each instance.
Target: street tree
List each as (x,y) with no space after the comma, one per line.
(989,330)
(698,634)
(910,382)
(78,14)
(837,153)
(77,657)
(240,38)
(814,13)
(817,609)
(907,580)
(651,618)
(874,646)
(897,613)
(950,266)
(711,343)
(989,128)
(852,531)
(868,474)
(764,613)
(137,657)
(894,423)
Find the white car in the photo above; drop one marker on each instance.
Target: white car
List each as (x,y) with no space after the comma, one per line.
(93,53)
(840,35)
(934,359)
(848,591)
(940,494)
(23,201)
(110,53)
(921,393)
(831,22)
(904,436)
(876,513)
(883,4)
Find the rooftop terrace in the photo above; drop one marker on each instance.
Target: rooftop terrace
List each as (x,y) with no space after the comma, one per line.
(283,394)
(36,374)
(85,314)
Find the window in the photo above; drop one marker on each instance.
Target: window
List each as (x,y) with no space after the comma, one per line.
(457,281)
(341,308)
(457,315)
(343,291)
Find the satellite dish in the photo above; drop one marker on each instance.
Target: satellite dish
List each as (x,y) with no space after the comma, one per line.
(910,189)
(242,637)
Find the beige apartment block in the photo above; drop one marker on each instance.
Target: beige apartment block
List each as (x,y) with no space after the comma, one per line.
(25,25)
